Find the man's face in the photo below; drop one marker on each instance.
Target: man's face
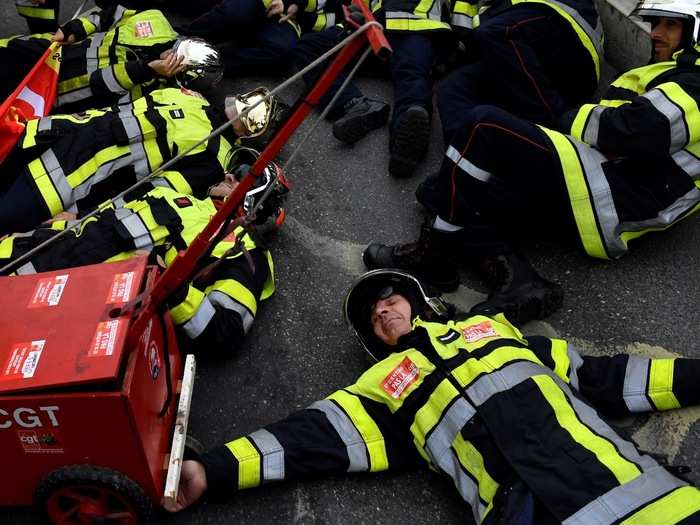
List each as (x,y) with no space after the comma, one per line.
(666,35)
(391,318)
(224,188)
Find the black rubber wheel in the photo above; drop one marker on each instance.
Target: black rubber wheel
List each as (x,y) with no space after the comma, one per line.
(193,448)
(86,494)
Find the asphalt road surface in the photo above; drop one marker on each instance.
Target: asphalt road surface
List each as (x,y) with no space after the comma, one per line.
(300,350)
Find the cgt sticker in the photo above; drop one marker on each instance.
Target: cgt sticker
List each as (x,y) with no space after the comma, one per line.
(43,441)
(154,360)
(105,338)
(476,332)
(48,291)
(120,291)
(400,378)
(23,360)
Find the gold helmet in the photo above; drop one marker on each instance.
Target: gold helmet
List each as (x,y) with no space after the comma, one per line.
(254,109)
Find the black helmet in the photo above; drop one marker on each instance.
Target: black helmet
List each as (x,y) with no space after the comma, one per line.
(238,163)
(380,284)
(204,65)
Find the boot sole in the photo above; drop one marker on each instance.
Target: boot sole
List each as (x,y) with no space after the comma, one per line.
(353,129)
(410,142)
(442,285)
(540,304)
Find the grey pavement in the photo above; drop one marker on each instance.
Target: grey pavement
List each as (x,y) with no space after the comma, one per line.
(299,349)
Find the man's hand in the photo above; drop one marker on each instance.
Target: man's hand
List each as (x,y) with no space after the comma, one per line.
(61,39)
(291,13)
(62,216)
(193,483)
(169,66)
(277,8)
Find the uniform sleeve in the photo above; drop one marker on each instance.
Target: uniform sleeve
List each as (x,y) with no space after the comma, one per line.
(661,121)
(342,433)
(623,384)
(121,82)
(216,319)
(95,21)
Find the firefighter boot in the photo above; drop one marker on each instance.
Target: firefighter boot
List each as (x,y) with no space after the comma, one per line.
(409,141)
(520,292)
(360,116)
(432,258)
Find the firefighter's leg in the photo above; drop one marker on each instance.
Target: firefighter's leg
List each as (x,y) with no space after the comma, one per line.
(41,18)
(458,94)
(21,207)
(269,46)
(226,18)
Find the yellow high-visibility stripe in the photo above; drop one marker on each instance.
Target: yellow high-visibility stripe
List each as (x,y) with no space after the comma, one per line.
(269,286)
(465,8)
(473,462)
(581,203)
(89,167)
(368,429)
(183,312)
(30,132)
(46,188)
(42,13)
(6,247)
(177,181)
(626,237)
(429,414)
(122,76)
(604,450)
(413,24)
(248,462)
(691,113)
(661,384)
(320,23)
(236,291)
(579,124)
(472,368)
(74,83)
(560,356)
(672,508)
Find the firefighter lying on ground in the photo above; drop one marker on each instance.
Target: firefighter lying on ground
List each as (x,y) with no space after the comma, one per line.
(626,166)
(215,311)
(75,162)
(116,55)
(41,15)
(508,418)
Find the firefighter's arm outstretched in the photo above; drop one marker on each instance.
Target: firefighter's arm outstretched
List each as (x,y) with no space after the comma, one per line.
(622,384)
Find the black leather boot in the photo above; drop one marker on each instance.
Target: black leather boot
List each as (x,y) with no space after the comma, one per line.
(431,258)
(409,141)
(520,292)
(361,115)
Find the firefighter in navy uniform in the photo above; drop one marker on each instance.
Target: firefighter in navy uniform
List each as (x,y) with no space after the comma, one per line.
(75,162)
(628,165)
(214,311)
(533,58)
(510,419)
(41,15)
(116,56)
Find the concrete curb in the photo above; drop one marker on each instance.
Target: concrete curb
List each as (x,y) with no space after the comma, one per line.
(627,42)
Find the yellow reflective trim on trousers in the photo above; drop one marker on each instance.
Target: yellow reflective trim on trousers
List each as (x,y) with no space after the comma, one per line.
(626,237)
(311,6)
(72,84)
(465,8)
(368,429)
(613,103)
(582,35)
(580,199)
(578,126)
(269,286)
(45,185)
(672,508)
(473,462)
(6,247)
(248,462)
(604,450)
(414,24)
(30,131)
(183,312)
(560,356)
(89,167)
(320,23)
(37,12)
(236,291)
(472,368)
(58,225)
(430,413)
(691,113)
(660,387)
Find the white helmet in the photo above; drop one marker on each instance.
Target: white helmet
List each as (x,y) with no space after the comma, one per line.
(688,10)
(204,65)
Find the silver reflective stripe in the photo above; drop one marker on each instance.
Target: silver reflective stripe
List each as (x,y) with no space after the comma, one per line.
(138,231)
(220,298)
(330,20)
(92,53)
(118,15)
(74,96)
(104,171)
(272,454)
(575,362)
(439,447)
(590,133)
(461,20)
(161,181)
(107,74)
(58,177)
(466,166)
(435,12)
(635,386)
(44,124)
(592,163)
(356,448)
(403,14)
(665,217)
(620,501)
(26,269)
(688,162)
(138,151)
(201,318)
(676,120)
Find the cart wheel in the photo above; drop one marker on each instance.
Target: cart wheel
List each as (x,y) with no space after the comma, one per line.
(193,448)
(85,494)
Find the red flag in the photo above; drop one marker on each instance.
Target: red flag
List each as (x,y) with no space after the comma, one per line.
(33,98)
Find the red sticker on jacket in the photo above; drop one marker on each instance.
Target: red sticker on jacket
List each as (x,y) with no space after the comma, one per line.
(400,378)
(105,338)
(120,291)
(183,202)
(143,29)
(48,291)
(479,331)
